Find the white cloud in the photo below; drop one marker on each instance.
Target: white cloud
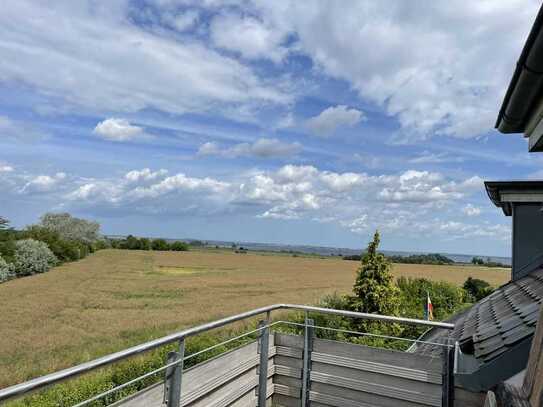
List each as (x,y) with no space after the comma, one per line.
(117,130)
(6,168)
(434,158)
(425,65)
(420,202)
(261,148)
(248,36)
(332,118)
(44,183)
(471,210)
(145,175)
(97,59)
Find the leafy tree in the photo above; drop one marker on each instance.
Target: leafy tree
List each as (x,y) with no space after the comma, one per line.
(32,256)
(374,289)
(477,289)
(477,260)
(145,244)
(160,245)
(71,228)
(179,246)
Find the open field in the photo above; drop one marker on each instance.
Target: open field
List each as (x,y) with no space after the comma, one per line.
(114,299)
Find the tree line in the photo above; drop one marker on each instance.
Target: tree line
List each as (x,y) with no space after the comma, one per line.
(143,243)
(432,258)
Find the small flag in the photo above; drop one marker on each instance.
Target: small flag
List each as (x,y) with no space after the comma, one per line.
(428,308)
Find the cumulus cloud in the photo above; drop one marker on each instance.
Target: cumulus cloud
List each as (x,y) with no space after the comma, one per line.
(44,183)
(117,130)
(261,148)
(333,118)
(471,210)
(424,65)
(6,168)
(420,202)
(248,36)
(145,175)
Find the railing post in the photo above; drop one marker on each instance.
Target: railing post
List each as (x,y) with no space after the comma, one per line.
(447,398)
(263,344)
(308,348)
(174,376)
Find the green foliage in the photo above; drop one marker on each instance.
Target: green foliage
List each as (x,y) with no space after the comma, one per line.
(160,244)
(477,289)
(433,258)
(179,246)
(64,250)
(145,244)
(6,270)
(374,289)
(477,260)
(32,257)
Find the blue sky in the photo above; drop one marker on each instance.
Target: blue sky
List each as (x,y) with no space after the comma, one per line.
(285,121)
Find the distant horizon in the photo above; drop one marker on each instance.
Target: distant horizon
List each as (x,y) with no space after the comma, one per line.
(299,245)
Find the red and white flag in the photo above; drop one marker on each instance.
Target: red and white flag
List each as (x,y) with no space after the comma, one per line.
(428,308)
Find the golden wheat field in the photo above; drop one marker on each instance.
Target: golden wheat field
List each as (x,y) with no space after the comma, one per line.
(114,299)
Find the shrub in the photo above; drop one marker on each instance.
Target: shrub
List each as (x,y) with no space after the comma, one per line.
(179,246)
(160,244)
(6,270)
(477,289)
(32,256)
(145,244)
(64,250)
(374,289)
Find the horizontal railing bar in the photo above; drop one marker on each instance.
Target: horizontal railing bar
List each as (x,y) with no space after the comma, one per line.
(368,334)
(47,380)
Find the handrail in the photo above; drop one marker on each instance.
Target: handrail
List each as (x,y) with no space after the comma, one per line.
(47,380)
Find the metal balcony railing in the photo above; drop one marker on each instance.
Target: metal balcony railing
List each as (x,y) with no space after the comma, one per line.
(174,366)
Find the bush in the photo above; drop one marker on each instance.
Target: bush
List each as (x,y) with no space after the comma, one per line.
(32,257)
(64,250)
(179,246)
(160,244)
(6,270)
(477,289)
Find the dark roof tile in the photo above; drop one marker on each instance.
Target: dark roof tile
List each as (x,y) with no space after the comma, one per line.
(496,323)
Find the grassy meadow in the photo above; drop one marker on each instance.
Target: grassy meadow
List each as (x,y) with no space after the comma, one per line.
(114,299)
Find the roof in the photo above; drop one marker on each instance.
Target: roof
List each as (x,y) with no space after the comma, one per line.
(504,193)
(497,323)
(525,88)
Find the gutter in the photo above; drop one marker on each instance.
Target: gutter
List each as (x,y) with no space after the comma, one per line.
(526,84)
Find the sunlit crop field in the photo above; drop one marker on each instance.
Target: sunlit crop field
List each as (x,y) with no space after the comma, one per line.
(114,299)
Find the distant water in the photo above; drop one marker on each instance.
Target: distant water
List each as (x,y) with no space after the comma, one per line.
(334,251)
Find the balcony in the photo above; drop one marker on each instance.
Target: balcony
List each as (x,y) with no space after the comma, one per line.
(272,367)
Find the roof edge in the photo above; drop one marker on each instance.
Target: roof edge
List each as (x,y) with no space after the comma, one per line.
(521,82)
